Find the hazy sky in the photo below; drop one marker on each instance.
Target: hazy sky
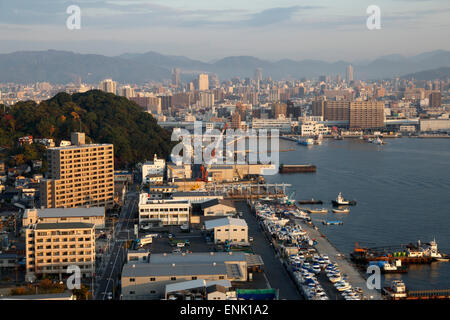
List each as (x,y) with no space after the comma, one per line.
(211,29)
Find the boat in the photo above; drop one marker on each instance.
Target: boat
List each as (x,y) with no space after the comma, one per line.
(318,140)
(340,201)
(296,168)
(312,201)
(336,222)
(346,210)
(378,141)
(306,142)
(322,210)
(390,267)
(397,290)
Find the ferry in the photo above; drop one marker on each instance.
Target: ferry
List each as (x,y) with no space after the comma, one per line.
(340,201)
(346,210)
(306,142)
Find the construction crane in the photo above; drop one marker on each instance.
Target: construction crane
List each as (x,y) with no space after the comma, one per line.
(204,171)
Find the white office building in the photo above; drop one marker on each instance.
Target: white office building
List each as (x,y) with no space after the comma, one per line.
(153,168)
(155,213)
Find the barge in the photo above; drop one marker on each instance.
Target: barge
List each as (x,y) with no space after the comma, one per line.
(297,168)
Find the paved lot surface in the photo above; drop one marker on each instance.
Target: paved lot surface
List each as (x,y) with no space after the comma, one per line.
(277,276)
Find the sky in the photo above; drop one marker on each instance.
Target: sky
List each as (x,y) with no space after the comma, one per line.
(208,30)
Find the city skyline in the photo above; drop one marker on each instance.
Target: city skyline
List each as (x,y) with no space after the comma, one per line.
(204,30)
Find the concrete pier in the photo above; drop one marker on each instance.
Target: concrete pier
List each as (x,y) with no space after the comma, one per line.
(324,247)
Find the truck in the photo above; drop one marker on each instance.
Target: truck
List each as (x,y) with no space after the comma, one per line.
(143,241)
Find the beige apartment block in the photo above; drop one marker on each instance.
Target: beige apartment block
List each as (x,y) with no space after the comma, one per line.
(52,247)
(366,114)
(80,175)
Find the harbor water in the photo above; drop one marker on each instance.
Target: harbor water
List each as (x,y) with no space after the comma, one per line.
(402,191)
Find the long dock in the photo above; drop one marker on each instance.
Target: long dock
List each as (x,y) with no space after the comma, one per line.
(354,277)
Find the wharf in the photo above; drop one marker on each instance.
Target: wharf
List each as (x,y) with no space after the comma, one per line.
(323,246)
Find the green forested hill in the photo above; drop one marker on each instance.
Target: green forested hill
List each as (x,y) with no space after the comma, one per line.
(104,117)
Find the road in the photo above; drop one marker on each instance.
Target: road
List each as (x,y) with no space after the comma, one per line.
(108,273)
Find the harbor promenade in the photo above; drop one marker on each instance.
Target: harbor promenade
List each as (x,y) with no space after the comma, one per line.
(325,247)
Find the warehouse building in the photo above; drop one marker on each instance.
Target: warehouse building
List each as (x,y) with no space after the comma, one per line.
(228,230)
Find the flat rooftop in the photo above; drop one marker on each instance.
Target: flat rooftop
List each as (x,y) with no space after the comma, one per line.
(196,258)
(211,224)
(65,225)
(69,212)
(148,269)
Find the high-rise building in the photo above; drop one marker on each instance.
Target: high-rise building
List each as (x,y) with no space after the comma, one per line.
(366,114)
(336,110)
(150,104)
(434,100)
(166,102)
(236,120)
(52,247)
(349,74)
(126,91)
(318,107)
(79,175)
(203,82)
(108,85)
(258,74)
(205,99)
(279,109)
(176,77)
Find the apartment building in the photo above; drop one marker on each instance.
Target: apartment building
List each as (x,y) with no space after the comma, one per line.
(79,175)
(163,212)
(367,114)
(52,247)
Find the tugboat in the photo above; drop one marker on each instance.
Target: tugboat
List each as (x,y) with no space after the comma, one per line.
(396,291)
(340,201)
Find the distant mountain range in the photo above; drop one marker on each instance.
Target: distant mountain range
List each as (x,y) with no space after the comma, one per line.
(440,73)
(63,67)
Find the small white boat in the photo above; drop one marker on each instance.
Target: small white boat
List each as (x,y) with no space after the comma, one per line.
(322,210)
(346,210)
